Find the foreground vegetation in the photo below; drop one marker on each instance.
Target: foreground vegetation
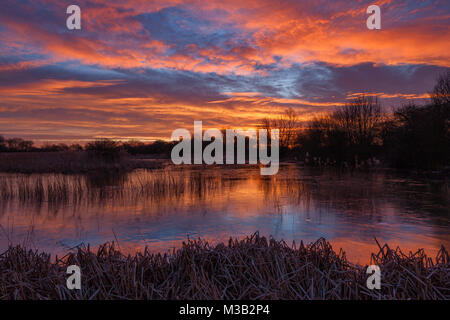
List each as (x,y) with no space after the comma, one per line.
(253,268)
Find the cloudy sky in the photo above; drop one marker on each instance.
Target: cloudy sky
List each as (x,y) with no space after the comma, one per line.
(140,68)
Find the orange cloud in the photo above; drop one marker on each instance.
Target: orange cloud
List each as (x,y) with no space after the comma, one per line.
(294,31)
(408,96)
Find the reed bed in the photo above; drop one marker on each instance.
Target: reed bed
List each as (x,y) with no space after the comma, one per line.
(70,162)
(75,189)
(252,268)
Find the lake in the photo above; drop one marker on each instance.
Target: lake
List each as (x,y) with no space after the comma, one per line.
(164,207)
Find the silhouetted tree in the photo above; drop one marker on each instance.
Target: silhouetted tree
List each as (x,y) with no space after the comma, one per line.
(441,91)
(288,125)
(104,149)
(351,133)
(419,136)
(17,144)
(2,143)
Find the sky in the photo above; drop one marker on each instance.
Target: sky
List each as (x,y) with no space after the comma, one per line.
(139,69)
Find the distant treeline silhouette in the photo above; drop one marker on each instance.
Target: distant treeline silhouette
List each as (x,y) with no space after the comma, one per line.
(357,134)
(103,146)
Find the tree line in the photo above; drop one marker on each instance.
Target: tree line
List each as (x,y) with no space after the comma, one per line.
(359,133)
(102,145)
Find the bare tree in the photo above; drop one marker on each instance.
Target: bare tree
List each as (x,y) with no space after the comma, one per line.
(360,120)
(441,92)
(287,124)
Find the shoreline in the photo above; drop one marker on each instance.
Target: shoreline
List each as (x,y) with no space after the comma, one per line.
(79,162)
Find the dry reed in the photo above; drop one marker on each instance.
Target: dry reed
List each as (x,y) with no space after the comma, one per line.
(252,268)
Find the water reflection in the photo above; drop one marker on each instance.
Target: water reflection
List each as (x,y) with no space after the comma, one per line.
(161,208)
